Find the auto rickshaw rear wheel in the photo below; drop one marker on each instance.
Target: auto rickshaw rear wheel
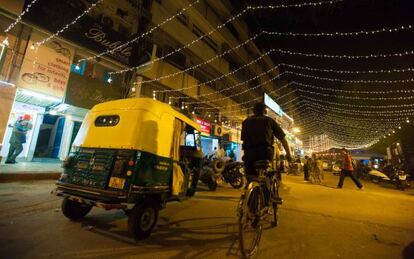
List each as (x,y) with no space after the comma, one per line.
(142,219)
(74,210)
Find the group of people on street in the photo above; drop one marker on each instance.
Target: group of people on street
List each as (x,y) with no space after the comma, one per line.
(313,169)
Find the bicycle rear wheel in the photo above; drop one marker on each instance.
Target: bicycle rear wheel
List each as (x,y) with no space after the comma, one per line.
(250,229)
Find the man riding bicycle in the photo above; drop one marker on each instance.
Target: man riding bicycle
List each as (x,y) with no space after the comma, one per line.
(258,132)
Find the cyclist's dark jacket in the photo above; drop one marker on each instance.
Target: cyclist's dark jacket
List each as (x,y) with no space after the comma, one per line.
(258,132)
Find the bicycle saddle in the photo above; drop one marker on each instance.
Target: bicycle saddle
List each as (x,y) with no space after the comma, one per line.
(262,164)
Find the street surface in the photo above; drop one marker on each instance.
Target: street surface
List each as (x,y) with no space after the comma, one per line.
(315,221)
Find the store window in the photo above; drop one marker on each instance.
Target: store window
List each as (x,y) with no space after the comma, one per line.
(192,138)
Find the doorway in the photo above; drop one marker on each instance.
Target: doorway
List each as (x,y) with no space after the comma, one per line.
(50,136)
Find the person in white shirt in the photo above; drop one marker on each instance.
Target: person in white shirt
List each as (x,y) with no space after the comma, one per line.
(220,153)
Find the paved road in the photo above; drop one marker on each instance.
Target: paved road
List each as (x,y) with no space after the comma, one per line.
(316,221)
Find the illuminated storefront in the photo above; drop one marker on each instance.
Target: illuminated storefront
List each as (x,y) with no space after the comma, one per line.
(41,84)
(287,124)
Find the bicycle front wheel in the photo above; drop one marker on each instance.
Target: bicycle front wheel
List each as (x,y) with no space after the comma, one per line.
(250,230)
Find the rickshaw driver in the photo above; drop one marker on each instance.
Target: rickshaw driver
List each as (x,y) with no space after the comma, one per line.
(258,132)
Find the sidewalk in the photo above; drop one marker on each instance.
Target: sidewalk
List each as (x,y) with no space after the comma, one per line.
(40,169)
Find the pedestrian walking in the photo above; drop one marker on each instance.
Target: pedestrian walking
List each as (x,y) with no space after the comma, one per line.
(18,138)
(306,168)
(347,170)
(319,169)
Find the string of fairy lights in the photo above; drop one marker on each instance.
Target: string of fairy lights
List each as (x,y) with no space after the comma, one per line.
(387,127)
(311,114)
(342,34)
(289,72)
(352,81)
(392,110)
(353,97)
(370,92)
(352,119)
(388,71)
(17,20)
(135,39)
(236,85)
(232,18)
(204,63)
(227,107)
(64,28)
(366,113)
(222,25)
(399,54)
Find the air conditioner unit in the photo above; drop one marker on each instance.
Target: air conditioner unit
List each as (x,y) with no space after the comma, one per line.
(218,130)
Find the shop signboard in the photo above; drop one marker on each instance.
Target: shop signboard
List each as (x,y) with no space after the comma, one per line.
(204,125)
(272,105)
(97,32)
(85,92)
(46,69)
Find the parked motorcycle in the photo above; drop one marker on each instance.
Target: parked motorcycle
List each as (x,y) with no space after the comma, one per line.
(392,175)
(234,174)
(214,170)
(208,175)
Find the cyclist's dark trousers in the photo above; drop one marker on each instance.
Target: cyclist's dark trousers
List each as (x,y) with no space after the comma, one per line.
(252,155)
(345,173)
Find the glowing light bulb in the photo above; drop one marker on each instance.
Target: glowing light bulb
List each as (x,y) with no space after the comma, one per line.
(109,80)
(77,67)
(32,47)
(6,42)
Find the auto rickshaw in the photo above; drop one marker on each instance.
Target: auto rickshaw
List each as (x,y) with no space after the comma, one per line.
(134,155)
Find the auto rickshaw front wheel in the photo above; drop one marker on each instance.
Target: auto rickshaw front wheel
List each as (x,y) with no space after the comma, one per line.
(142,219)
(74,210)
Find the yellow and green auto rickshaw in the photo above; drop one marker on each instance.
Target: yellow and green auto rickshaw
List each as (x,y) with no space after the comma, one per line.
(132,154)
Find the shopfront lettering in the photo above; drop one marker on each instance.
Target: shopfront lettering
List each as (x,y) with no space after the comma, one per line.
(100,37)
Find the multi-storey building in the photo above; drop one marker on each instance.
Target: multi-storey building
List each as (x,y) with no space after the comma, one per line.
(73,60)
(232,39)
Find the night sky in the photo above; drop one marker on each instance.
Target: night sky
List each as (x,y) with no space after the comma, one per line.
(346,16)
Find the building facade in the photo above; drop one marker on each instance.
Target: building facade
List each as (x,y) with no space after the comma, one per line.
(58,81)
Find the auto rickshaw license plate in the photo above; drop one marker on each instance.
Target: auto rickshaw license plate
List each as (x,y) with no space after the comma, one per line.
(116,182)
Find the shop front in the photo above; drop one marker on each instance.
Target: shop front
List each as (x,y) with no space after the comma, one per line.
(41,84)
(232,143)
(209,142)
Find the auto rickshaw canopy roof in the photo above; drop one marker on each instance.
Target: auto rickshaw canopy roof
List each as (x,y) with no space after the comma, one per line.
(144,124)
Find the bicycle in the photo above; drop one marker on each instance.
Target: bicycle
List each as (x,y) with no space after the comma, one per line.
(259,200)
